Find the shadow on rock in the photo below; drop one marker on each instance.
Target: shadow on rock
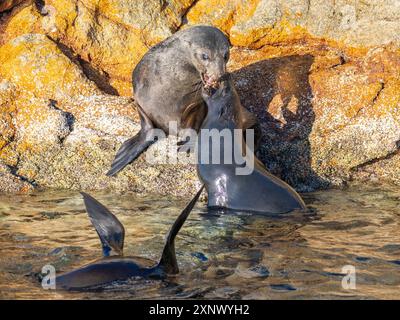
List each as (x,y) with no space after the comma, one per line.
(278,91)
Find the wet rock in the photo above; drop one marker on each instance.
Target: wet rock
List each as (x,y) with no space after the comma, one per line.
(199,255)
(51,215)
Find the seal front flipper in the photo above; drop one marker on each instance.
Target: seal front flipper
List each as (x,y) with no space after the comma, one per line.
(111,232)
(133,147)
(250,121)
(168,258)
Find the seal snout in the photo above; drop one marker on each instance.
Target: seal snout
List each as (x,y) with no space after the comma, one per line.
(210,81)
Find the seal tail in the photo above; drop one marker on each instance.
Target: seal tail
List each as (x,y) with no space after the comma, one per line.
(168,259)
(133,147)
(111,232)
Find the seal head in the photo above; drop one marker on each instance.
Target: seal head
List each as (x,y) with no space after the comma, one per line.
(209,52)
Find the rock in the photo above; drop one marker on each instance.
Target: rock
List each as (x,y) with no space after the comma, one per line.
(9,4)
(21,20)
(109,37)
(321,76)
(7,130)
(37,66)
(85,156)
(11,183)
(262,22)
(320,118)
(59,130)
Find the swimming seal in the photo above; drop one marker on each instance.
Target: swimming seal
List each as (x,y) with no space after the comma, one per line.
(117,267)
(167,86)
(257,190)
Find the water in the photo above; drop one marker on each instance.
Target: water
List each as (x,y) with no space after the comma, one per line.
(220,256)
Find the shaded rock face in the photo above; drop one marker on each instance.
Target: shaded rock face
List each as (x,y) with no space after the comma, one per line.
(324,120)
(323,78)
(9,4)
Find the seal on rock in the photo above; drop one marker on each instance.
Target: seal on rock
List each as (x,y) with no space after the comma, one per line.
(117,267)
(167,86)
(256,190)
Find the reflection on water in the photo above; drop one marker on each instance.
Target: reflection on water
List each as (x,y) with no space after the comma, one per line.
(236,256)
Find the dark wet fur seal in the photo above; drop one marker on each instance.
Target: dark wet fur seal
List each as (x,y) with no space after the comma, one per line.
(167,86)
(260,191)
(117,267)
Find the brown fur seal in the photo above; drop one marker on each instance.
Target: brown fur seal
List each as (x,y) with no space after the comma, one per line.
(231,181)
(167,86)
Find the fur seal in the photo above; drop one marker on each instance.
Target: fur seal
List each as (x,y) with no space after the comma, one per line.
(117,267)
(167,86)
(259,191)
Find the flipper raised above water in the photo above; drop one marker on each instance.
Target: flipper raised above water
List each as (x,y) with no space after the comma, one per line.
(134,146)
(168,259)
(111,232)
(118,267)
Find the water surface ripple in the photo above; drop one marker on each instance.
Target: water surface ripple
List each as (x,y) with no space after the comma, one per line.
(231,256)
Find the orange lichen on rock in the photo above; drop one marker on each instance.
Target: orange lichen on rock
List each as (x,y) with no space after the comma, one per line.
(24,21)
(35,64)
(219,13)
(113,35)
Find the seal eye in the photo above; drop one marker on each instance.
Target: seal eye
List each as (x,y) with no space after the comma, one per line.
(226,56)
(205,56)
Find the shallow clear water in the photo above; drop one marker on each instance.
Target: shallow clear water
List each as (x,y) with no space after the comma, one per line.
(220,256)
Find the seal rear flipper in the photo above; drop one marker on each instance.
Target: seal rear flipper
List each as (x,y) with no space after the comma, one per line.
(133,147)
(168,259)
(111,232)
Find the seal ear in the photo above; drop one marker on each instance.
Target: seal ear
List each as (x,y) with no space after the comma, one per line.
(168,258)
(111,232)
